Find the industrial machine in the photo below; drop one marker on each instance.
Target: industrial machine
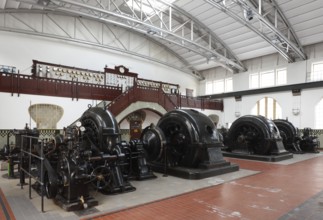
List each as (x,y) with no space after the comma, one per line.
(289,135)
(11,153)
(255,137)
(185,143)
(89,154)
(293,141)
(309,142)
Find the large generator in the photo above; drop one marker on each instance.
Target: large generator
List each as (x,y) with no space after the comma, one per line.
(185,143)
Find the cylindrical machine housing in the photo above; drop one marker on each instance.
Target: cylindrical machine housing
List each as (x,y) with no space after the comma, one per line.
(251,134)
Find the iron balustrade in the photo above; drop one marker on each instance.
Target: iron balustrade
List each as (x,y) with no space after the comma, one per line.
(24,153)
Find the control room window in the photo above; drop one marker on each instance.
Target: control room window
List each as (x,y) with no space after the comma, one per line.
(267,107)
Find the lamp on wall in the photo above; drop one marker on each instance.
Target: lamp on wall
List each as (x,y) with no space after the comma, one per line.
(295,111)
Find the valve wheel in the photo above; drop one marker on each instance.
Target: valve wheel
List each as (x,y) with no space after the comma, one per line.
(101,177)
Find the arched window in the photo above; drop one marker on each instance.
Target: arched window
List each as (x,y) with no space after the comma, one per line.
(267,107)
(319,115)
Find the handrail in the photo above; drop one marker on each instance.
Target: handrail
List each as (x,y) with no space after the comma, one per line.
(26,84)
(167,101)
(27,170)
(139,93)
(119,97)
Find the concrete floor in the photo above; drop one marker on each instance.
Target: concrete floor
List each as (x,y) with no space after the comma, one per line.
(253,192)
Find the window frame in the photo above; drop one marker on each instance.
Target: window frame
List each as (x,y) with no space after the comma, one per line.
(276,79)
(259,80)
(215,90)
(262,108)
(251,82)
(226,86)
(271,73)
(209,91)
(313,77)
(318,112)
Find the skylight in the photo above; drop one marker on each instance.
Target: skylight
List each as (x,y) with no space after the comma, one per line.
(148,5)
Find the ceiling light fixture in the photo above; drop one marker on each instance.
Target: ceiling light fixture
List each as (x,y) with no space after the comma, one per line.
(151,32)
(248,14)
(43,2)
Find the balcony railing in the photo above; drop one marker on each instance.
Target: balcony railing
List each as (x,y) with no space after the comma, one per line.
(26,84)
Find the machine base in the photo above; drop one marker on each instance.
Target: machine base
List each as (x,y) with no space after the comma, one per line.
(75,206)
(144,176)
(127,187)
(196,173)
(268,158)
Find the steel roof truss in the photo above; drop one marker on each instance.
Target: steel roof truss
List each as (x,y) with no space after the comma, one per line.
(271,24)
(163,24)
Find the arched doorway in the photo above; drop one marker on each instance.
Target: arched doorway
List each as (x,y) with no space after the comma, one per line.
(267,107)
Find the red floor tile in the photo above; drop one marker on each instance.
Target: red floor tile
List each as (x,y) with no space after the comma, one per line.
(276,190)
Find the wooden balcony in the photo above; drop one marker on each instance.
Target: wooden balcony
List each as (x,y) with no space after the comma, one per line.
(25,84)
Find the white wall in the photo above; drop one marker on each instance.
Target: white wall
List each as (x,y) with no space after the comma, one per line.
(14,110)
(296,73)
(19,50)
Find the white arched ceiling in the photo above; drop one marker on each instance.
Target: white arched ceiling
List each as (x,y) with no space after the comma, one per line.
(91,32)
(185,34)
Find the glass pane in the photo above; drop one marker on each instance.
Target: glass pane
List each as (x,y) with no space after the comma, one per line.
(267,79)
(318,115)
(270,108)
(228,85)
(254,110)
(279,112)
(266,108)
(218,86)
(262,107)
(209,88)
(254,81)
(317,72)
(281,77)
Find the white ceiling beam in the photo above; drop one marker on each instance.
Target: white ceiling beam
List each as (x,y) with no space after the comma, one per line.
(183,66)
(160,23)
(290,49)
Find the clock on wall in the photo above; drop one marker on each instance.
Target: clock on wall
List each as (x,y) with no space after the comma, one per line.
(121,69)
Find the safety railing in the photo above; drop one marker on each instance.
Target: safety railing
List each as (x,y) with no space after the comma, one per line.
(26,84)
(26,166)
(157,95)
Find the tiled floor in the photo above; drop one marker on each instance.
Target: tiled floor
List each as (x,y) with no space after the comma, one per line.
(259,190)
